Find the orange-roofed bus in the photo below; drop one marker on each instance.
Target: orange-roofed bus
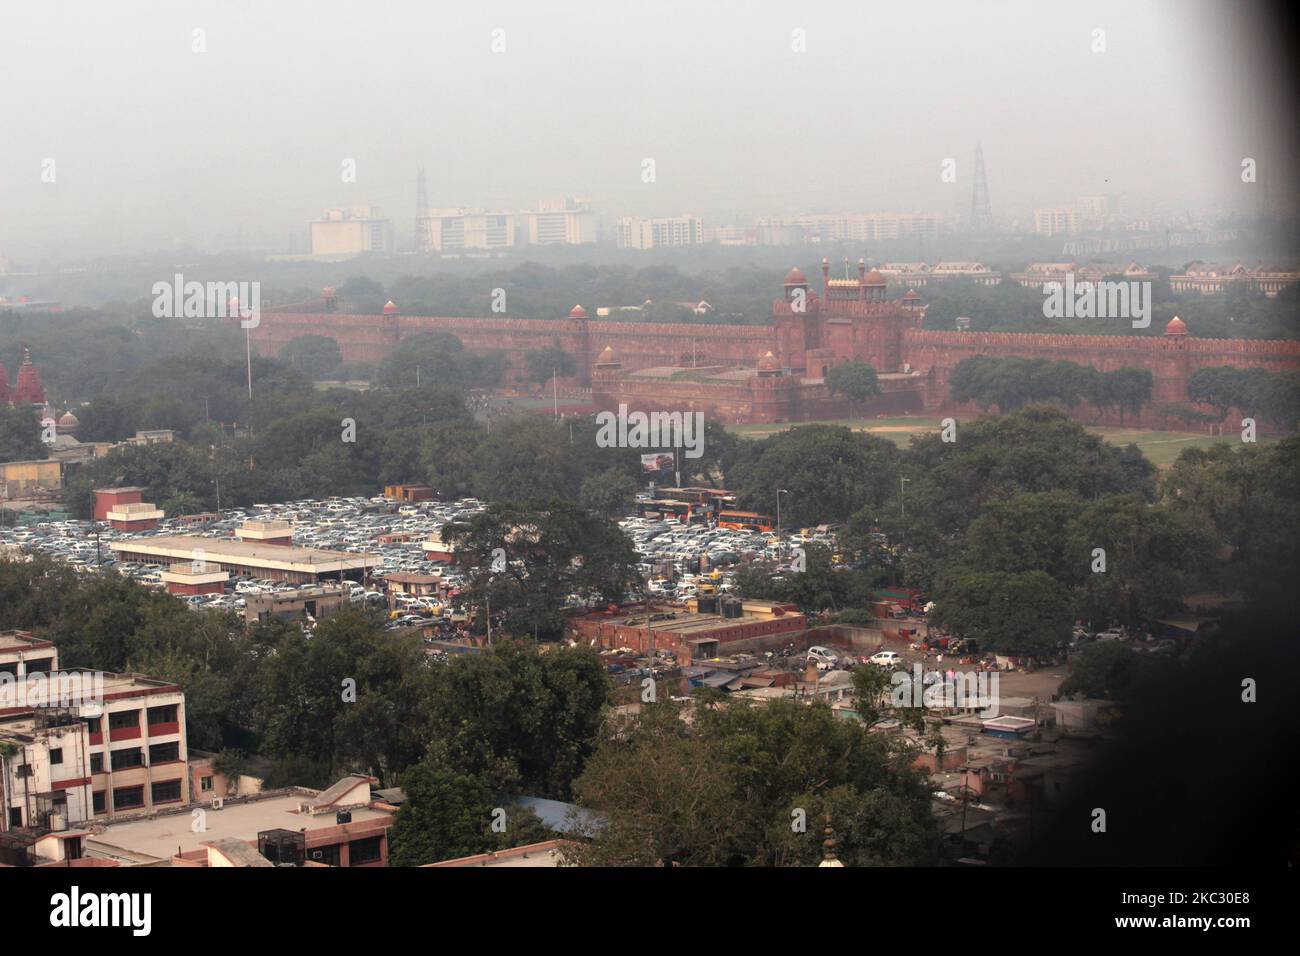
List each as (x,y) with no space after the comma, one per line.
(745,521)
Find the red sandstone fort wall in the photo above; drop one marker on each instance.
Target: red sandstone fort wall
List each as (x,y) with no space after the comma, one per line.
(924,349)
(648,344)
(729,403)
(1171,361)
(639,345)
(372,338)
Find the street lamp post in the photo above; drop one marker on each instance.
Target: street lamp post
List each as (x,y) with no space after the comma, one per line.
(779,493)
(902,491)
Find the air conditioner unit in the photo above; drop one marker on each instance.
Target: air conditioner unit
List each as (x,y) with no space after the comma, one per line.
(218,803)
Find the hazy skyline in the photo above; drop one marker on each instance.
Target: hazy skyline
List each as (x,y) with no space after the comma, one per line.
(154,143)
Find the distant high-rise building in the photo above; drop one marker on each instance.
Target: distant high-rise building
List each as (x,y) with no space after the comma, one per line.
(634,233)
(1056,221)
(350,232)
(451,230)
(981,212)
(564,222)
(1093,208)
(847,227)
(731,236)
(421,230)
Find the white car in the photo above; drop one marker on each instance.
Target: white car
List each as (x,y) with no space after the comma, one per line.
(823,657)
(886,659)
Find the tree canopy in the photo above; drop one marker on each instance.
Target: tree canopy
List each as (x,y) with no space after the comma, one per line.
(751,786)
(526,559)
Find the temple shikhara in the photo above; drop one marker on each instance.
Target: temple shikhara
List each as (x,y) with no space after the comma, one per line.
(27,388)
(776,373)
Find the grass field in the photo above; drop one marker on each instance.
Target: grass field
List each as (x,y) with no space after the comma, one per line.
(1160,448)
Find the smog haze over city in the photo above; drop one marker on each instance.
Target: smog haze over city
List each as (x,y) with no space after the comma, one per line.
(644,436)
(157,144)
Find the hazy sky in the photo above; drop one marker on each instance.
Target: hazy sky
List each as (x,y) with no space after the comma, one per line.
(154,142)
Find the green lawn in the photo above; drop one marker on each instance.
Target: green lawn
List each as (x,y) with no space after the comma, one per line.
(1163,448)
(914,424)
(1160,448)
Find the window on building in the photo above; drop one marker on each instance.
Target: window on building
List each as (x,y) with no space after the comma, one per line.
(205,784)
(364,851)
(166,791)
(123,718)
(56,755)
(162,753)
(131,757)
(162,715)
(126,798)
(22,771)
(97,801)
(96,763)
(93,725)
(42,666)
(329,855)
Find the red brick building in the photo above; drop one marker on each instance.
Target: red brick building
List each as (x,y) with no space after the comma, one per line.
(124,509)
(108,498)
(195,577)
(686,633)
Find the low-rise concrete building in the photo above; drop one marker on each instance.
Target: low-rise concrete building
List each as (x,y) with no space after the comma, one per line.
(20,479)
(687,634)
(196,577)
(134,516)
(275,562)
(82,745)
(341,826)
(408,494)
(22,654)
(317,602)
(549,853)
(416,585)
(277,533)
